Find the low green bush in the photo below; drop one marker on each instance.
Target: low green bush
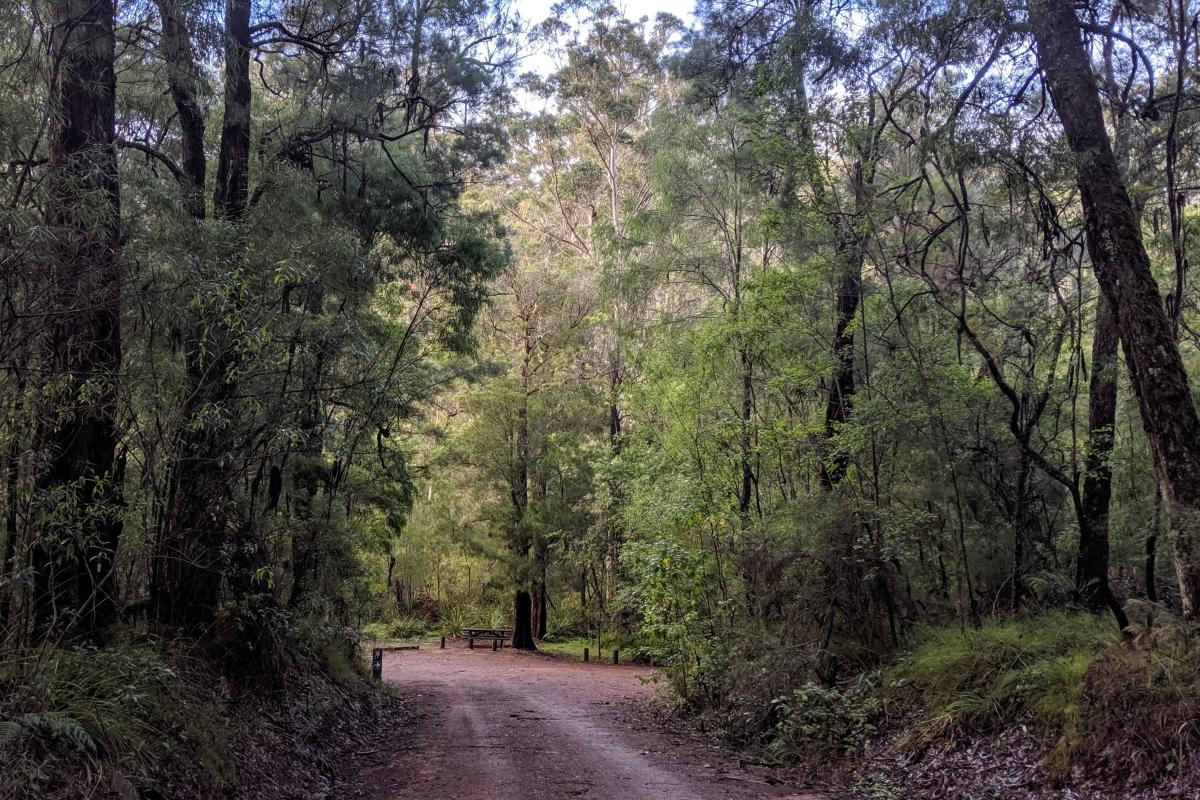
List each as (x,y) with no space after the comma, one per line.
(122,706)
(976,681)
(455,617)
(401,628)
(815,718)
(567,619)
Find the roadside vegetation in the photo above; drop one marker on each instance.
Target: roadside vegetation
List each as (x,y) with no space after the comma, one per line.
(834,358)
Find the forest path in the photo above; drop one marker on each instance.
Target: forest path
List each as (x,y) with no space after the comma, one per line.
(520,725)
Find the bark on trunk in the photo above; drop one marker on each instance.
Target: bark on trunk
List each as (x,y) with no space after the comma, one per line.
(745,494)
(1091,575)
(841,381)
(189,566)
(177,52)
(1122,268)
(522,638)
(542,622)
(233,163)
(522,546)
(850,252)
(73,562)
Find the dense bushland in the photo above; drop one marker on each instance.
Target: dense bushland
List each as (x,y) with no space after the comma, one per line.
(835,357)
(817,381)
(233,258)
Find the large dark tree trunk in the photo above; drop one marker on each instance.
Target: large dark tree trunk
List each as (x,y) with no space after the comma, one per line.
(182,79)
(185,577)
(73,557)
(746,491)
(190,567)
(1122,267)
(233,162)
(522,637)
(841,381)
(541,613)
(850,252)
(1091,575)
(522,545)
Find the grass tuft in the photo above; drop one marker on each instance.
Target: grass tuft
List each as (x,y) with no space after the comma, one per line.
(978,681)
(121,706)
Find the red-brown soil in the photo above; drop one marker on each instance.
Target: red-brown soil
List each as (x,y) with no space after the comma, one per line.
(519,725)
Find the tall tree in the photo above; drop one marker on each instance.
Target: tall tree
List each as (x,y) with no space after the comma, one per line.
(1122,267)
(81,484)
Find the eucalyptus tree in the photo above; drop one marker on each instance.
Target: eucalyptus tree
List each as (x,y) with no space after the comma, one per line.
(286,285)
(1159,379)
(79,483)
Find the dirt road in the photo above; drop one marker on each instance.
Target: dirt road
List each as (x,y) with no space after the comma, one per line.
(515,725)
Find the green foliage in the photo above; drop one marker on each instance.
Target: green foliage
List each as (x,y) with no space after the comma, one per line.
(402,628)
(977,681)
(121,706)
(816,719)
(665,589)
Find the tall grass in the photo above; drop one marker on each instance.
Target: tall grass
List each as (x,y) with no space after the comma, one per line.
(120,705)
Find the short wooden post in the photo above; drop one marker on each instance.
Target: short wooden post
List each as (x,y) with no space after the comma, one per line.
(443,642)
(585,655)
(494,643)
(616,657)
(377,663)
(470,643)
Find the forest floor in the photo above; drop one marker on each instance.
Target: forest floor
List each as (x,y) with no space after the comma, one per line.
(509,724)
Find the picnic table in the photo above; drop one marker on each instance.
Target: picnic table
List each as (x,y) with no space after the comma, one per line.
(486,632)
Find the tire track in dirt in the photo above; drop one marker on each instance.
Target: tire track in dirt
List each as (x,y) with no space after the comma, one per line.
(518,725)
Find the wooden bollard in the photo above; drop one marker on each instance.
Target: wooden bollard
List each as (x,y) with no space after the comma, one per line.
(377,663)
(494,643)
(470,644)
(585,655)
(616,657)
(443,642)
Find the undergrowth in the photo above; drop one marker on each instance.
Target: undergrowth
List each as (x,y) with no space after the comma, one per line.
(402,628)
(1125,707)
(119,707)
(975,681)
(82,721)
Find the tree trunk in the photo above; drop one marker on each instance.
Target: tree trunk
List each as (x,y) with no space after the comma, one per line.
(1150,565)
(1122,268)
(1091,575)
(542,622)
(73,560)
(177,52)
(522,638)
(841,381)
(745,494)
(233,161)
(189,565)
(851,244)
(184,581)
(522,546)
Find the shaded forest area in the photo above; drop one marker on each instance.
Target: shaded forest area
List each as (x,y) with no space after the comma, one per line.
(833,357)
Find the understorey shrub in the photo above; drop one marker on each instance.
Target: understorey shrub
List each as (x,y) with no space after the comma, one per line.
(1142,702)
(826,720)
(401,628)
(966,681)
(81,710)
